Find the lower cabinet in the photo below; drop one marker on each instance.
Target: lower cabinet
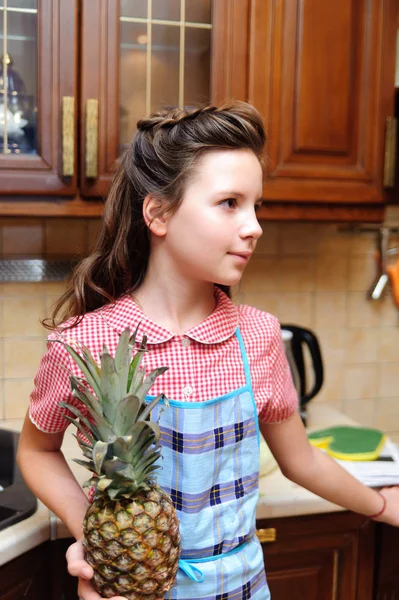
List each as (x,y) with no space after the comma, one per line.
(319,557)
(27,577)
(335,556)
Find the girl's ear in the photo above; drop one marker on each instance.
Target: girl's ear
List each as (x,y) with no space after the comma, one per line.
(154,215)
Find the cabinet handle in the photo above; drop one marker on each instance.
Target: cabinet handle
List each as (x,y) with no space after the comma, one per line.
(91,142)
(68,136)
(266,535)
(390,152)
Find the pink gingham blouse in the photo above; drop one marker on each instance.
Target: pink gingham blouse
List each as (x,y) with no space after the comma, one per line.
(203,363)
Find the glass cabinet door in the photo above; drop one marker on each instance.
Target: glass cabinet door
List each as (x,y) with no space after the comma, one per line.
(37,97)
(142,55)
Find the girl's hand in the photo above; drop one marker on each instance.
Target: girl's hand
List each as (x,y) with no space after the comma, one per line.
(391,512)
(78,567)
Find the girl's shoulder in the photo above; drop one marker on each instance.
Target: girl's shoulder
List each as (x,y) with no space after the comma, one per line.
(258,326)
(99,326)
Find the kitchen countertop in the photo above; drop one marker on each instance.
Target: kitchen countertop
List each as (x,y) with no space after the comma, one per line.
(279,497)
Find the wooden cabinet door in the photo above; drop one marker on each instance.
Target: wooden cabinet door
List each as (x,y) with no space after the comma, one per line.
(27,577)
(38,98)
(320,557)
(105,70)
(322,74)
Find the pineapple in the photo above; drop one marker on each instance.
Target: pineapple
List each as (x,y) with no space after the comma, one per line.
(131,530)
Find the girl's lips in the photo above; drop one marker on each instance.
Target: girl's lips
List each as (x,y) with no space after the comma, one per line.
(242,256)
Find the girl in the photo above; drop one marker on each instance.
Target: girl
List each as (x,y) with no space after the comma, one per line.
(179,229)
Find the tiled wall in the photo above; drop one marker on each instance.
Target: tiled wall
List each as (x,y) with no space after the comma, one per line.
(307,274)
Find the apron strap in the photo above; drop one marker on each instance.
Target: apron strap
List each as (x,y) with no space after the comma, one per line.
(191,571)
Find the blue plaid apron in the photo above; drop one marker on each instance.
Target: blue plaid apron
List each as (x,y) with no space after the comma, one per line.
(210,469)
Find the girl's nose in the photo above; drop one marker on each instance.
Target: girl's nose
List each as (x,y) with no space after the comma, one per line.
(251,228)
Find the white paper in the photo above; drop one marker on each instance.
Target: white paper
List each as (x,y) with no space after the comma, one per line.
(379,472)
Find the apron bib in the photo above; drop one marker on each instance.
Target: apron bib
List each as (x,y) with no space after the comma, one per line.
(211,469)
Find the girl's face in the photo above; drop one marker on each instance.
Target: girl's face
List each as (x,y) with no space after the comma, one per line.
(213,233)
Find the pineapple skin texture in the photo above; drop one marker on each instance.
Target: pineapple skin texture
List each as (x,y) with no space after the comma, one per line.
(133,544)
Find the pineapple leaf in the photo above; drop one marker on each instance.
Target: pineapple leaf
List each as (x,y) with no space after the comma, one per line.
(81,428)
(122,359)
(99,454)
(136,376)
(122,448)
(85,463)
(110,386)
(113,492)
(126,414)
(147,410)
(90,426)
(103,483)
(149,380)
(83,366)
(148,459)
(80,391)
(83,444)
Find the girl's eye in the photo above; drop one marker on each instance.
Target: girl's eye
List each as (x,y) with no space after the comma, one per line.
(258,206)
(229,202)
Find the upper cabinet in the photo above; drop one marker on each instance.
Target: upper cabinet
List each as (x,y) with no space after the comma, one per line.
(322,73)
(38,97)
(140,55)
(76,75)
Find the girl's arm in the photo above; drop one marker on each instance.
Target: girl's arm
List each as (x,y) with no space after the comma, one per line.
(48,475)
(314,470)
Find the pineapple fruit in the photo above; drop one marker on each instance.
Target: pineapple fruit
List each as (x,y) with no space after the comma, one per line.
(131,530)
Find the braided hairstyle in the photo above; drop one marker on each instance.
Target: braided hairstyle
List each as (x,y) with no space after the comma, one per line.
(159,161)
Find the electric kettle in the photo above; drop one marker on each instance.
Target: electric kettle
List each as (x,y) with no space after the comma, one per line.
(296,339)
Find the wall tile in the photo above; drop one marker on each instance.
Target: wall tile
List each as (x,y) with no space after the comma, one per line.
(331,390)
(360,381)
(330,309)
(388,345)
(2,411)
(361,411)
(16,397)
(388,380)
(332,272)
(22,357)
(363,312)
(22,316)
(333,345)
(387,414)
(268,243)
(298,238)
(362,345)
(331,241)
(23,289)
(362,273)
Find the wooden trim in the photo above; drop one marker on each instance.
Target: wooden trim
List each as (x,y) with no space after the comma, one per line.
(60,207)
(57,72)
(319,212)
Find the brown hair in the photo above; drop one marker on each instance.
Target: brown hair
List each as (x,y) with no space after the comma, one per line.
(159,161)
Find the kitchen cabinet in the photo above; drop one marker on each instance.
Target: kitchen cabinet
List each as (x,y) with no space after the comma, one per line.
(319,557)
(28,576)
(323,75)
(38,97)
(131,57)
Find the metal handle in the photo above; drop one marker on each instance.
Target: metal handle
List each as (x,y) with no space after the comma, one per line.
(68,136)
(390,152)
(266,535)
(91,143)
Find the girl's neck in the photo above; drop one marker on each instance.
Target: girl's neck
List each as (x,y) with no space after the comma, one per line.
(173,305)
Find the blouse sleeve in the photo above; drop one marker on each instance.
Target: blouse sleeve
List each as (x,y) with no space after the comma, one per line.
(275,393)
(52,386)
